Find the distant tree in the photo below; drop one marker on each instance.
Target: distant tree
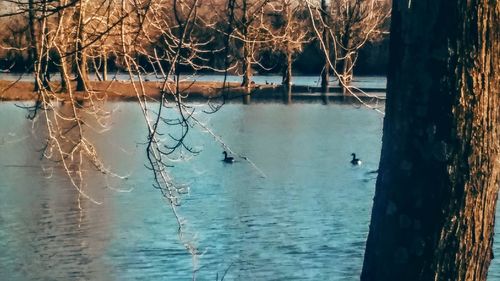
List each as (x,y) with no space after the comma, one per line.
(353,23)
(342,28)
(288,31)
(325,37)
(61,42)
(33,48)
(82,79)
(13,38)
(437,188)
(248,32)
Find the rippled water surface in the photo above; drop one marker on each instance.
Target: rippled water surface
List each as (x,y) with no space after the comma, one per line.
(306,220)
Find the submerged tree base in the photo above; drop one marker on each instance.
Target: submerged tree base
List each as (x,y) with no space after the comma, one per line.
(190,91)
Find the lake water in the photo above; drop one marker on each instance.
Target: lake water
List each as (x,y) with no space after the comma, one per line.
(306,220)
(377,82)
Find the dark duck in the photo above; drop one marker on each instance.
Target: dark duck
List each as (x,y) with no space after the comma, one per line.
(355,161)
(227,159)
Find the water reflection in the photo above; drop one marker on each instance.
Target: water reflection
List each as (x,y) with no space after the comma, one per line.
(51,233)
(57,234)
(307,220)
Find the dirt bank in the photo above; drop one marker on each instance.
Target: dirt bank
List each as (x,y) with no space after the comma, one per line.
(119,90)
(190,91)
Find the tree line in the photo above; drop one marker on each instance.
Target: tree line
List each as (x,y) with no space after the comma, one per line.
(76,37)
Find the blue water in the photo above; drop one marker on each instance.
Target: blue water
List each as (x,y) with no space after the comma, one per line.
(306,220)
(377,82)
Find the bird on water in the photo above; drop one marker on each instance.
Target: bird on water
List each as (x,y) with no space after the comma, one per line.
(355,161)
(227,159)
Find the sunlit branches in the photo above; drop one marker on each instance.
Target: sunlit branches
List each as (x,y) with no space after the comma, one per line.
(315,13)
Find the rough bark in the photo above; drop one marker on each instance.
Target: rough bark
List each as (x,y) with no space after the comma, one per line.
(436,193)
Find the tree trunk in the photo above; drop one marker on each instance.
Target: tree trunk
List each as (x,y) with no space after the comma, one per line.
(439,174)
(346,62)
(104,66)
(325,75)
(63,61)
(247,70)
(33,49)
(82,70)
(247,74)
(45,56)
(81,58)
(96,68)
(247,56)
(63,70)
(347,74)
(287,76)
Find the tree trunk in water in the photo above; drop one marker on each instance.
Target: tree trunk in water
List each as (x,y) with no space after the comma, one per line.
(347,61)
(96,68)
(439,174)
(44,73)
(104,66)
(247,75)
(63,61)
(287,77)
(347,73)
(33,49)
(247,56)
(347,66)
(81,67)
(325,75)
(81,58)
(65,82)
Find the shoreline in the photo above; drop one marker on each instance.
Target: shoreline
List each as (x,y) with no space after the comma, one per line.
(190,91)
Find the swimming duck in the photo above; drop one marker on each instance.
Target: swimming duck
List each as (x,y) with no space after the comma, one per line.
(355,161)
(227,159)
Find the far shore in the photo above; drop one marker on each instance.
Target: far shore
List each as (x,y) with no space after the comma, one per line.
(199,90)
